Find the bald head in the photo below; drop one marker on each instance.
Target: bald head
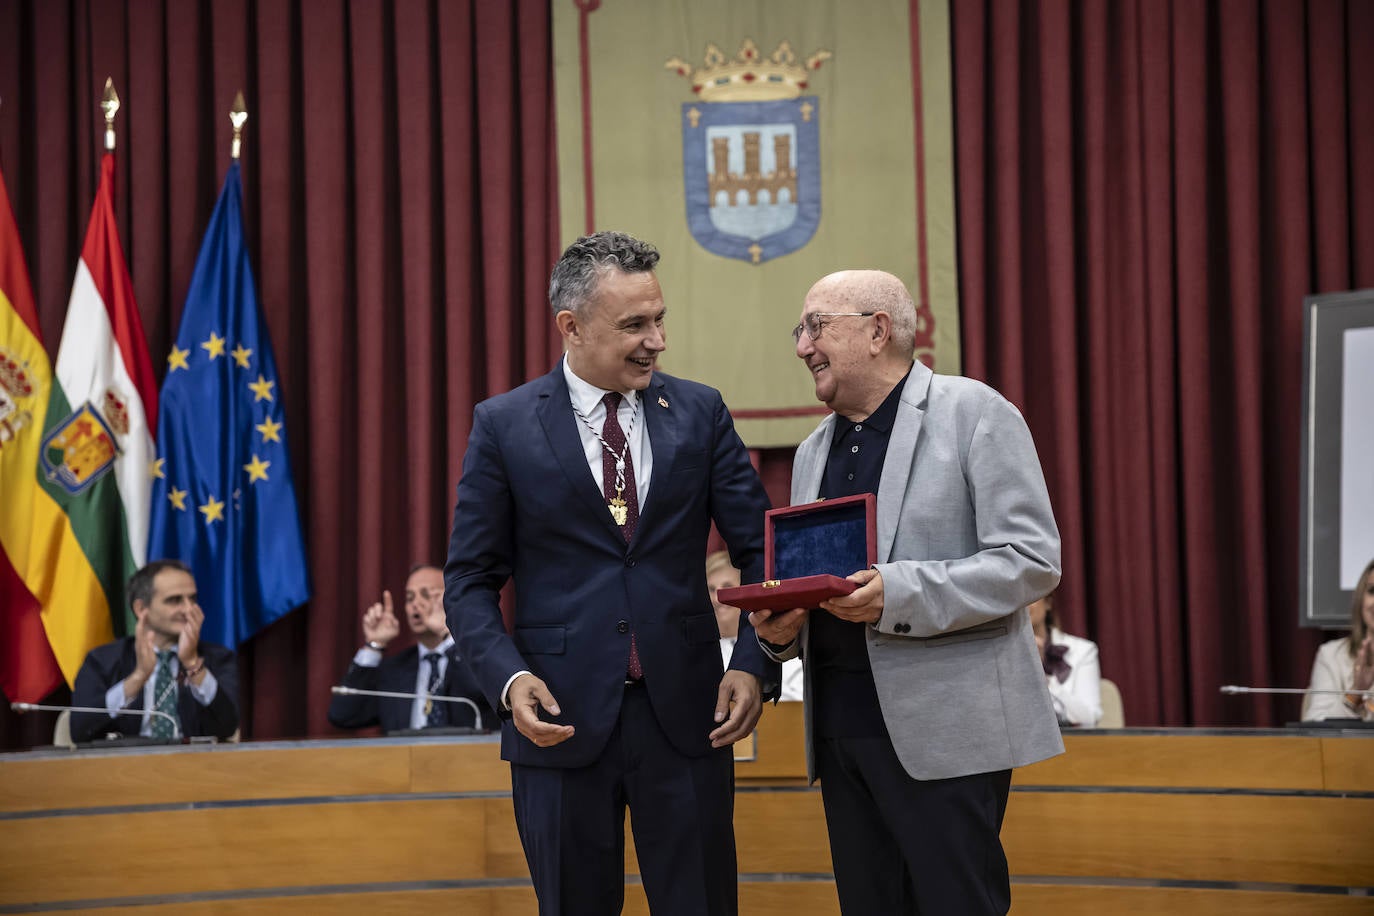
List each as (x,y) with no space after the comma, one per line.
(872,291)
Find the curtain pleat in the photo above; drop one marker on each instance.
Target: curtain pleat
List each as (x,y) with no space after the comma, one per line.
(401,214)
(1147,190)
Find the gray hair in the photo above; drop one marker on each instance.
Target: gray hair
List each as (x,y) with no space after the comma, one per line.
(574,280)
(890,295)
(141,583)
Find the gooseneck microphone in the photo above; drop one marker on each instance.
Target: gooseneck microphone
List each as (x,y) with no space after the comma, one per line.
(1232,689)
(39,707)
(358,692)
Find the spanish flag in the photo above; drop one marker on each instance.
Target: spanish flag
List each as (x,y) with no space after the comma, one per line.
(95,461)
(28,671)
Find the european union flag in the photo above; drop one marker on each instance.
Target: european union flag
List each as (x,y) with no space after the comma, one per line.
(223,502)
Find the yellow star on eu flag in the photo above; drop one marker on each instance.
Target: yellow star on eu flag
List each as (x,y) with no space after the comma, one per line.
(156,469)
(214,510)
(270,429)
(177,498)
(214,346)
(241,354)
(262,388)
(177,359)
(257,469)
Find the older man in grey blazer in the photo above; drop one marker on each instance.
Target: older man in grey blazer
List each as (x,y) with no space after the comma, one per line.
(923,687)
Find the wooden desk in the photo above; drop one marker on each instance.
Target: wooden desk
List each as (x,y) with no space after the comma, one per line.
(1138,821)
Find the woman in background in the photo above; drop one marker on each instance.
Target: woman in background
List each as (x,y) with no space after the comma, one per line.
(1346,663)
(1072,670)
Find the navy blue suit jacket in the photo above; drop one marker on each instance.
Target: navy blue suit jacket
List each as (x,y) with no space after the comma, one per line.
(398,674)
(111,663)
(529,508)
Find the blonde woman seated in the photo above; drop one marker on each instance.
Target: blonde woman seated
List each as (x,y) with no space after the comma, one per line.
(720,574)
(1072,670)
(1346,663)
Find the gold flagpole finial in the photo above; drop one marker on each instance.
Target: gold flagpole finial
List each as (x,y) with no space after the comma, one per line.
(109,104)
(237,116)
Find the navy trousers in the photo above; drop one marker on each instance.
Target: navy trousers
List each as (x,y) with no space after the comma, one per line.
(572,824)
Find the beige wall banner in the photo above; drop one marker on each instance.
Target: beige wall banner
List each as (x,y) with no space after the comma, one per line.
(761,144)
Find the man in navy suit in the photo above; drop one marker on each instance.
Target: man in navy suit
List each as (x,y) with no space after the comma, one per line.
(164,667)
(432,667)
(594,488)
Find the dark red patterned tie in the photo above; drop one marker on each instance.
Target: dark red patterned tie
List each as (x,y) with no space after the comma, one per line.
(614,438)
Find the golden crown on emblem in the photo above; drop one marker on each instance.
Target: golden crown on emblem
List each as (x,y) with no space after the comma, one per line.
(749,77)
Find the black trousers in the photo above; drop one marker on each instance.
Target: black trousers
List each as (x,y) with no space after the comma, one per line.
(572,824)
(901,845)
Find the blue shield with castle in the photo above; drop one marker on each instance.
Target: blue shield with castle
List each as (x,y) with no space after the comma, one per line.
(751,153)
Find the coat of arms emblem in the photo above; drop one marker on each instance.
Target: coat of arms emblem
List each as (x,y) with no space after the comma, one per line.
(79,450)
(751,152)
(16,388)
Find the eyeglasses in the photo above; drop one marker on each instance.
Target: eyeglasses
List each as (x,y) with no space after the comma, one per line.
(813,325)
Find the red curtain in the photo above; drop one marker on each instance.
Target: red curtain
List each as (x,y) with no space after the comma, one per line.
(400,187)
(1146,191)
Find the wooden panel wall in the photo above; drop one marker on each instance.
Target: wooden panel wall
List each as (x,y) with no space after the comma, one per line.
(1128,823)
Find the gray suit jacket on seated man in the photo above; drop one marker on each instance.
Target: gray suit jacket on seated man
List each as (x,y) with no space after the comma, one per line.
(923,687)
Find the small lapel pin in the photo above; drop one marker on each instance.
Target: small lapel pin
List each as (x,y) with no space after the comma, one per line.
(663,402)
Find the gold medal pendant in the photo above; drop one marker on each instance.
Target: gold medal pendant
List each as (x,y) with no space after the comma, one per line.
(429,707)
(619,511)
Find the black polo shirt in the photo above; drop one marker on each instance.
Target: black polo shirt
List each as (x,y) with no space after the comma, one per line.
(846,701)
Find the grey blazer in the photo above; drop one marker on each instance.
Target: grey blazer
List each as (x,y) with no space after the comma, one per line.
(966,539)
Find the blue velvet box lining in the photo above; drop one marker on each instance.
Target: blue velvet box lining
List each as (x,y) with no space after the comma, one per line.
(826,540)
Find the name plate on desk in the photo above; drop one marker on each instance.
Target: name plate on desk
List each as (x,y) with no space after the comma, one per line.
(808,552)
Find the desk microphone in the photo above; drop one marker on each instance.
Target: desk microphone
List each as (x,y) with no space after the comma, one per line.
(38,707)
(356,692)
(1231,690)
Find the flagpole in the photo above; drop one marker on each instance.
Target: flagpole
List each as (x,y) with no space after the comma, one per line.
(109,104)
(237,116)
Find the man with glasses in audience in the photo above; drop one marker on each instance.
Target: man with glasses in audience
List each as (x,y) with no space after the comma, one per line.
(430,668)
(923,687)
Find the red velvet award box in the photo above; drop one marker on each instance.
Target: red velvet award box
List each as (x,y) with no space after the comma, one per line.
(808,551)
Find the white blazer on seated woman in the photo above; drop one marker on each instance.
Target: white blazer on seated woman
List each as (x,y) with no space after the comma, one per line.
(1072,670)
(1346,663)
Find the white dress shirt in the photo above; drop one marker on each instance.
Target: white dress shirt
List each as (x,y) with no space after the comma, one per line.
(586,399)
(204,694)
(367,657)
